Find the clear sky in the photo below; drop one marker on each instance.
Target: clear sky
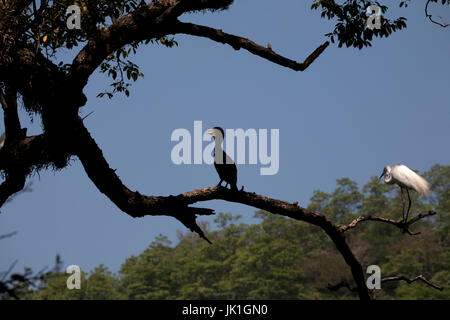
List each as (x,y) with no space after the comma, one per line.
(348,115)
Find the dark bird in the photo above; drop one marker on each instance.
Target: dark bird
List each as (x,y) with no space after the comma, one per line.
(225,166)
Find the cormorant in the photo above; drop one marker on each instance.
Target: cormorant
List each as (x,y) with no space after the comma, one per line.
(225,166)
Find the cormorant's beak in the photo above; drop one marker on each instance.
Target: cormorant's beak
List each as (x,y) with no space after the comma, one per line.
(211,132)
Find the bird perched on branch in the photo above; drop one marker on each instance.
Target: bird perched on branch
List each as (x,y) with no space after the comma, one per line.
(406,179)
(225,166)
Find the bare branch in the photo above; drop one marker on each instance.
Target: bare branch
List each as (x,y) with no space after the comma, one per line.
(398,223)
(342,284)
(137,205)
(430,17)
(11,267)
(409,281)
(4,236)
(352,288)
(133,203)
(158,19)
(239,42)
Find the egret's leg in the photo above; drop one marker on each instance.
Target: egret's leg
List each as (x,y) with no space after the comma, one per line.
(403,202)
(220,183)
(409,205)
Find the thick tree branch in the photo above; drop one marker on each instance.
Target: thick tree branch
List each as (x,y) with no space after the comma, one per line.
(15,174)
(8,100)
(398,223)
(133,27)
(239,42)
(133,203)
(30,152)
(137,205)
(158,19)
(39,80)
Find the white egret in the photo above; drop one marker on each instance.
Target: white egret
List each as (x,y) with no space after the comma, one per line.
(406,179)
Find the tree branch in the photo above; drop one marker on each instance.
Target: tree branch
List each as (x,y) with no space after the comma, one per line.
(430,17)
(398,223)
(239,42)
(342,284)
(137,205)
(4,236)
(158,19)
(409,281)
(8,100)
(15,174)
(352,288)
(133,203)
(14,182)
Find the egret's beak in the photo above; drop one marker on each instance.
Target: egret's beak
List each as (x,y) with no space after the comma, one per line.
(211,132)
(381,175)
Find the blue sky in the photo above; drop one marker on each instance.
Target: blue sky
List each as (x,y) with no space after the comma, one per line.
(348,115)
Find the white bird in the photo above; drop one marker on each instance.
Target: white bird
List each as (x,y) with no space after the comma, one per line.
(407,179)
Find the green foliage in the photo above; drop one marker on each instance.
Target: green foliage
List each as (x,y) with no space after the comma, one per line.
(281,258)
(99,284)
(45,29)
(351,26)
(118,69)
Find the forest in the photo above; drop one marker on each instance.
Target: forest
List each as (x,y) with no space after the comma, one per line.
(282,258)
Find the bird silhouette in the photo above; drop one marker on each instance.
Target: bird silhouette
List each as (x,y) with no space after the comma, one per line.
(407,180)
(225,166)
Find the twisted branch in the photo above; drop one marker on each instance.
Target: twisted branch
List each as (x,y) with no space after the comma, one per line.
(430,17)
(158,19)
(239,42)
(353,288)
(409,281)
(398,223)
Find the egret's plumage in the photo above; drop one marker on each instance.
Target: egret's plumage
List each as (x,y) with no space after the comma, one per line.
(406,179)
